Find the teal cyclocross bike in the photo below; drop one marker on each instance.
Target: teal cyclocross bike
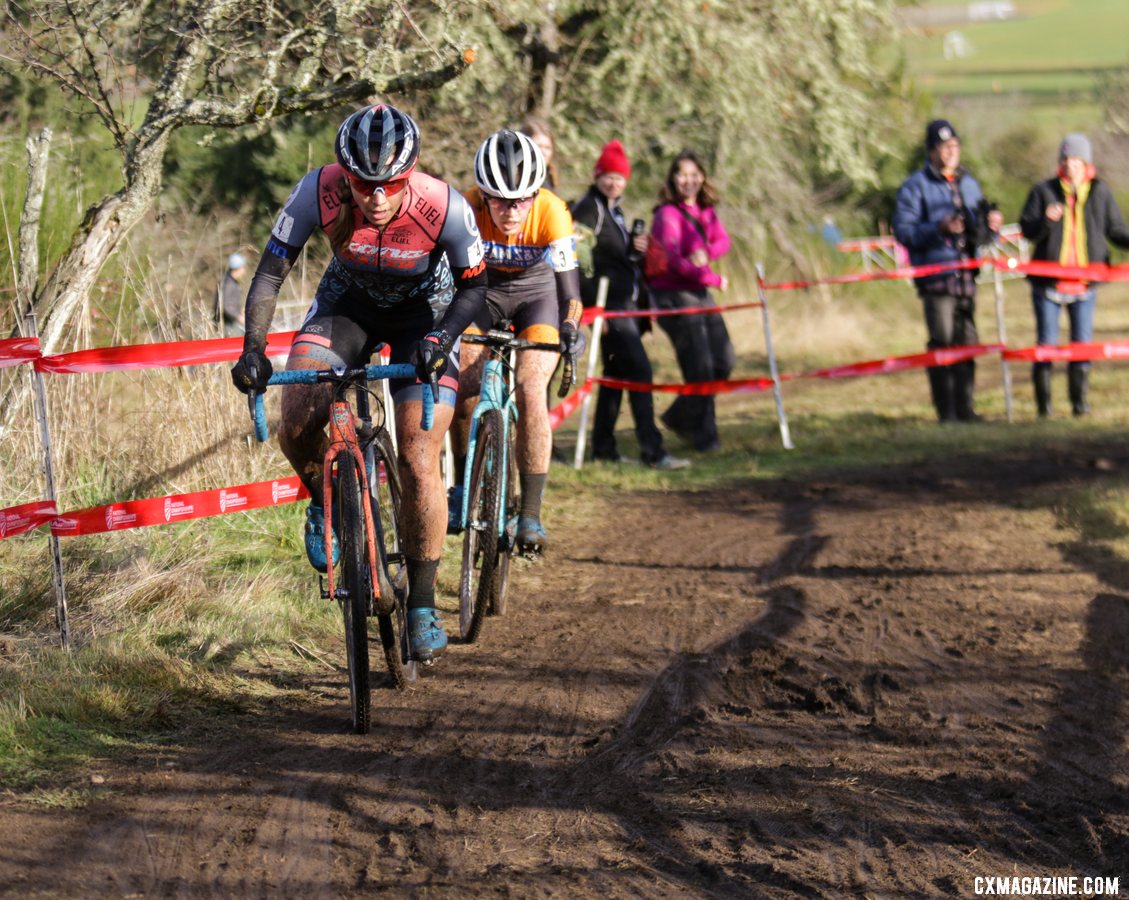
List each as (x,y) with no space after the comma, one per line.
(361,495)
(490,481)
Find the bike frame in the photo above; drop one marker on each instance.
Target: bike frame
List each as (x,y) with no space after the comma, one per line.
(494,394)
(343,438)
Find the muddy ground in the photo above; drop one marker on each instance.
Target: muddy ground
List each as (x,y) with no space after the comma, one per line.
(882,684)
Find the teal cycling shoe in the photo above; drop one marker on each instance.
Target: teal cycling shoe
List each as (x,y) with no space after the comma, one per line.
(315,538)
(455,510)
(531,536)
(426,638)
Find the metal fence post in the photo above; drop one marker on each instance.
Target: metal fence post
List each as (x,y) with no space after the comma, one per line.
(39,397)
(785,435)
(593,355)
(1001,331)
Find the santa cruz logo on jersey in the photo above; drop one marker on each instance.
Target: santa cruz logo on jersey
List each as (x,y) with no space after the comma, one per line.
(401,259)
(513,256)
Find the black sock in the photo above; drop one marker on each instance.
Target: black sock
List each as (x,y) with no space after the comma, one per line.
(532,488)
(421,582)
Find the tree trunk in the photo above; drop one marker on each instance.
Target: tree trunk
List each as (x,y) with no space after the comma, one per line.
(99,235)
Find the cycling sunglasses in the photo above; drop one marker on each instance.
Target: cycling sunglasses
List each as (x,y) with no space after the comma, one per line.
(504,203)
(389,188)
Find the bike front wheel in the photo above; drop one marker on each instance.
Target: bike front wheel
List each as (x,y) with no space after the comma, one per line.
(355,593)
(499,599)
(391,613)
(481,537)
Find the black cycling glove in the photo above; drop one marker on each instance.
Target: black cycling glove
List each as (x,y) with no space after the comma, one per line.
(252,372)
(573,342)
(430,355)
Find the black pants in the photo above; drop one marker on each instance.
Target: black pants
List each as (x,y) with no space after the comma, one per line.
(951,322)
(621,348)
(705,353)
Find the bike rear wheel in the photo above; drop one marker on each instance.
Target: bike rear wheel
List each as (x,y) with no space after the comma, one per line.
(391,614)
(480,539)
(355,594)
(500,598)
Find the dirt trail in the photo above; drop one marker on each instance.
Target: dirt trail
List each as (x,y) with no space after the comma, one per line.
(885,684)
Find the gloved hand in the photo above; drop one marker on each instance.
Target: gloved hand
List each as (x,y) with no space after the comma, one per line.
(252,372)
(430,355)
(573,342)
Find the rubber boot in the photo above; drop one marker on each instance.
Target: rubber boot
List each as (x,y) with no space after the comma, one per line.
(1041,376)
(964,384)
(941,387)
(1079,374)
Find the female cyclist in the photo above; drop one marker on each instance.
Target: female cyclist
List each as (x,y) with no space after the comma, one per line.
(407,271)
(534,283)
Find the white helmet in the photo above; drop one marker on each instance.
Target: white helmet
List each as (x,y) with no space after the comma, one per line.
(509,165)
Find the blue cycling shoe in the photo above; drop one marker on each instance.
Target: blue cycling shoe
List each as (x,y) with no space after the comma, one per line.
(531,538)
(455,510)
(315,538)
(426,638)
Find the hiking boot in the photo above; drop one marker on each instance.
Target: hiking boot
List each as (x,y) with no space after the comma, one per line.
(426,638)
(455,509)
(315,539)
(669,463)
(531,537)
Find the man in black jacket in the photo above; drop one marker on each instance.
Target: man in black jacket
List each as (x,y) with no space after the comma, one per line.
(615,256)
(1069,218)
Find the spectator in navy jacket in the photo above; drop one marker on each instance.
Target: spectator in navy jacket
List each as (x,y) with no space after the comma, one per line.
(940,217)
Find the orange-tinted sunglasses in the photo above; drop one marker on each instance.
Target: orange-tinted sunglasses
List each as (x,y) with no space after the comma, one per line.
(389,188)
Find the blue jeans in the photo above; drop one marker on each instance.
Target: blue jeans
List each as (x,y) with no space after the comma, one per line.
(1048,312)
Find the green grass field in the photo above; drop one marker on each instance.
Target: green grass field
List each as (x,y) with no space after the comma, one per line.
(1049,48)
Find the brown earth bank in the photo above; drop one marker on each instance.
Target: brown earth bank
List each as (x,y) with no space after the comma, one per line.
(879,683)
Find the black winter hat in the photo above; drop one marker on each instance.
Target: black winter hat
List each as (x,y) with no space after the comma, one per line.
(938,131)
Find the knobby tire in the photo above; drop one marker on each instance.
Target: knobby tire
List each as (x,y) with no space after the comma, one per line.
(500,599)
(393,574)
(357,586)
(480,540)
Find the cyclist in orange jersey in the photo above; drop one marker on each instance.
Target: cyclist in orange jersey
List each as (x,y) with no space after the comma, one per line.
(533,282)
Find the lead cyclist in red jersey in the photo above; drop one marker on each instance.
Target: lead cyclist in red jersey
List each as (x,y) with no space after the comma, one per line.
(408,271)
(535,284)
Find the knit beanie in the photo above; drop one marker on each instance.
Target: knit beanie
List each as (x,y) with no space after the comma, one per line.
(937,132)
(613,158)
(1077,146)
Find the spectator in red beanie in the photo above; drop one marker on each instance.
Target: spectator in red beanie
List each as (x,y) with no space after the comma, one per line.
(616,253)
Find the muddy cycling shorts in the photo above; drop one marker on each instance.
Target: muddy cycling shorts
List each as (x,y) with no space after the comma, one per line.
(346,333)
(531,308)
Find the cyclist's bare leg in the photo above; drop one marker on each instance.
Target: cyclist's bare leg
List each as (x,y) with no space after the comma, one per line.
(534,436)
(305,413)
(471,362)
(424,505)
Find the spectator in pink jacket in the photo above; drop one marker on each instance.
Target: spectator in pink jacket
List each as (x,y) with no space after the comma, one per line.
(687,226)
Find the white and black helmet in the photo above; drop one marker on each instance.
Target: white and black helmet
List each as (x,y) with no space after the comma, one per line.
(509,165)
(378,143)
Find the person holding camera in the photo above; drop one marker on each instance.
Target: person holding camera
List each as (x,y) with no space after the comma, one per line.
(941,216)
(616,255)
(1069,218)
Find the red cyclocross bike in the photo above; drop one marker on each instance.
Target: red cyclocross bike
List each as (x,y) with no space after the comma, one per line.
(361,496)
